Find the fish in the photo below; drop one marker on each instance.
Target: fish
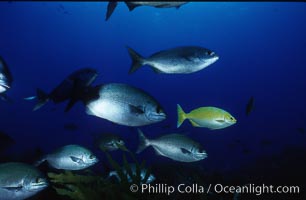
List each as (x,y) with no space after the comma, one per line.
(70,89)
(178,60)
(143,173)
(133,4)
(20,181)
(175,146)
(6,79)
(70,157)
(208,117)
(110,142)
(123,104)
(249,106)
(5,141)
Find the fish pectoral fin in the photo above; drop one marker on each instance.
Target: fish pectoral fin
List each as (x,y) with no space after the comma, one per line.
(156,70)
(194,124)
(220,120)
(12,188)
(136,109)
(75,159)
(158,152)
(185,151)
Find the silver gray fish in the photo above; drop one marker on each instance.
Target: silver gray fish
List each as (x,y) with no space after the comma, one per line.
(143,173)
(175,146)
(123,104)
(133,4)
(71,88)
(6,79)
(179,60)
(110,142)
(70,157)
(20,181)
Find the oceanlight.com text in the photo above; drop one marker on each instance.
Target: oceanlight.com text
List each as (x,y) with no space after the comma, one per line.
(256,189)
(214,188)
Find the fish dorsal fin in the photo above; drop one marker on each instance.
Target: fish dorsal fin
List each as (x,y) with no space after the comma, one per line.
(131,6)
(136,109)
(194,124)
(110,9)
(76,160)
(185,151)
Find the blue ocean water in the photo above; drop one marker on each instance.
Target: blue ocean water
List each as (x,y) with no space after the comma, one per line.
(262,50)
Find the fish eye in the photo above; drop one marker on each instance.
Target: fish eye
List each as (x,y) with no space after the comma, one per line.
(158,109)
(201,151)
(38,180)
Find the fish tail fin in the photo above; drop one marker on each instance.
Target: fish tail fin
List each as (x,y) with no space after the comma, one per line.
(42,98)
(110,9)
(137,60)
(143,141)
(181,116)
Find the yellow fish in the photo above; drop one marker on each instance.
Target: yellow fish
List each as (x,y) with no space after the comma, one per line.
(208,117)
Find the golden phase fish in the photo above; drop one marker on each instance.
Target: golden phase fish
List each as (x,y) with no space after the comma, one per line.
(208,117)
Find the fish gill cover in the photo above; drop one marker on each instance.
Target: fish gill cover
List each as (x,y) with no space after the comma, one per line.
(245,60)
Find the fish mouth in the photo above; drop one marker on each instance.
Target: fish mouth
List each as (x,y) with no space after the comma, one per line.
(157,116)
(5,85)
(200,156)
(92,162)
(215,57)
(39,186)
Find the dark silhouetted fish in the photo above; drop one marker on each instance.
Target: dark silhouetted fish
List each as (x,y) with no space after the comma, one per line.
(69,89)
(5,141)
(110,142)
(6,79)
(179,60)
(249,106)
(133,4)
(123,104)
